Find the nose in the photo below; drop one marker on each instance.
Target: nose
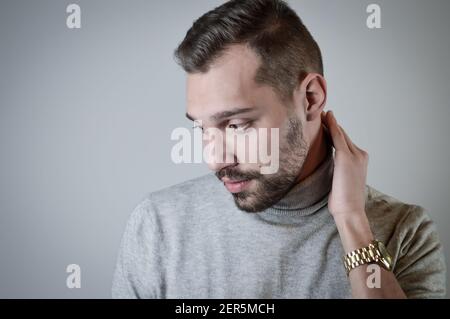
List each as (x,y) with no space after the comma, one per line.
(218,166)
(217,153)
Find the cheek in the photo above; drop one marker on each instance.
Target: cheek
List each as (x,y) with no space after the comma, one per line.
(258,148)
(246,149)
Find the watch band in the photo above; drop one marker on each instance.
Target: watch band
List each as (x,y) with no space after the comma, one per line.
(366,255)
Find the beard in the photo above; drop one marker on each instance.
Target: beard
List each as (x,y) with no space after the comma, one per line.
(270,188)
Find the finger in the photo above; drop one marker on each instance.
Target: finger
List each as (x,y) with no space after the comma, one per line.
(361,151)
(337,135)
(350,144)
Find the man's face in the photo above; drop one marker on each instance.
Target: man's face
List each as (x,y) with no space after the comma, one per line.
(228,97)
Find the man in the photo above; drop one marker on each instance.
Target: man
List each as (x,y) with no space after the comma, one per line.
(313,228)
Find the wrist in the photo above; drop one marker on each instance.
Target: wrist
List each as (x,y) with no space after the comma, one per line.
(354,231)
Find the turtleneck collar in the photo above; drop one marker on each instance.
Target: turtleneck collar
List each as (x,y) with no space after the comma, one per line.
(309,195)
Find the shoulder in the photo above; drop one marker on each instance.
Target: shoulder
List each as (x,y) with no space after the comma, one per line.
(406,228)
(193,189)
(399,224)
(386,212)
(189,194)
(183,198)
(411,237)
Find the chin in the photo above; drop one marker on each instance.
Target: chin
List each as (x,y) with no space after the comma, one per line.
(247,204)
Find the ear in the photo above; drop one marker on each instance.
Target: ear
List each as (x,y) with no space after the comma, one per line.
(313,90)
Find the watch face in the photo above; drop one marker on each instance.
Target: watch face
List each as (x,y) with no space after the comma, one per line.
(387,259)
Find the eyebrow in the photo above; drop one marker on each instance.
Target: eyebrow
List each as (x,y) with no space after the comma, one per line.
(225,114)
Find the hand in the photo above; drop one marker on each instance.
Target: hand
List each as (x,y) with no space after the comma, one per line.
(346,203)
(347,196)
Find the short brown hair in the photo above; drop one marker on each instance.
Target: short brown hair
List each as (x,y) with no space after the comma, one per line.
(270,27)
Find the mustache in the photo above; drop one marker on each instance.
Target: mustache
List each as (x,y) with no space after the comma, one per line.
(233,173)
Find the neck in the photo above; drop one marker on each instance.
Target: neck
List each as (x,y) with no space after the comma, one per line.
(316,155)
(309,194)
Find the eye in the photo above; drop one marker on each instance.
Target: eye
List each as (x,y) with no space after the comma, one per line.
(238,127)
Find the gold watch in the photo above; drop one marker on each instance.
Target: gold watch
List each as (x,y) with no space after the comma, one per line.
(376,253)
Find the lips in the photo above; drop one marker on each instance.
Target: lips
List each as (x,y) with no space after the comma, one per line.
(236,186)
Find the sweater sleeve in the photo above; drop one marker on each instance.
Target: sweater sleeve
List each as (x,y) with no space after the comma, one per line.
(137,272)
(420,267)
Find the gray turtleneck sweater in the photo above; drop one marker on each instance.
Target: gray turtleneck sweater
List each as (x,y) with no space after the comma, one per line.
(191,241)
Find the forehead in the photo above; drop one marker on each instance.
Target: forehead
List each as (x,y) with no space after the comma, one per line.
(229,83)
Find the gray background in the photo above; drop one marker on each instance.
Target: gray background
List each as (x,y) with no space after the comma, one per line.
(86,117)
